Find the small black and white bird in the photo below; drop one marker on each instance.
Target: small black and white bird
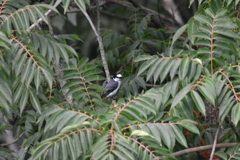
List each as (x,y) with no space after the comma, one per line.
(112,87)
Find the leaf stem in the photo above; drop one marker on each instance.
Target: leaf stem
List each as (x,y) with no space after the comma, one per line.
(211,47)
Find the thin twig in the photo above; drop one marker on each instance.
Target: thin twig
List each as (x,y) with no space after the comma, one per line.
(201,148)
(155,15)
(7,144)
(98,18)
(214,143)
(40,19)
(114,15)
(50,25)
(99,38)
(122,18)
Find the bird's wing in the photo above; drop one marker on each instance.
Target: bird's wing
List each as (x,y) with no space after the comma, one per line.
(112,85)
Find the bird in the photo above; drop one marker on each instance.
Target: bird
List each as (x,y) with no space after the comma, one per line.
(112,86)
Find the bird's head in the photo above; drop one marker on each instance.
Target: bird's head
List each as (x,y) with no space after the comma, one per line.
(117,77)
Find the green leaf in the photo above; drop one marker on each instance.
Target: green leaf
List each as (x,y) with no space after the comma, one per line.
(191,30)
(56,151)
(95,86)
(229,25)
(143,58)
(190,3)
(235,116)
(152,69)
(226,32)
(201,35)
(5,92)
(202,42)
(71,147)
(17,93)
(184,67)
(119,155)
(37,78)
(159,69)
(41,14)
(140,133)
(209,12)
(35,102)
(48,77)
(189,124)
(155,132)
(178,33)
(221,12)
(199,102)
(166,70)
(134,114)
(180,95)
(30,76)
(221,154)
(23,100)
(25,73)
(146,65)
(221,45)
(165,135)
(94,78)
(65,5)
(63,53)
(145,103)
(40,150)
(207,94)
(81,4)
(64,149)
(179,135)
(47,6)
(203,19)
(4,105)
(174,68)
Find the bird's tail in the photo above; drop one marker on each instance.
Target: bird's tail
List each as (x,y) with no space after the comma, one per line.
(104,95)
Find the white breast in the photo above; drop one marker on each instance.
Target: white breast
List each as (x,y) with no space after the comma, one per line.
(115,91)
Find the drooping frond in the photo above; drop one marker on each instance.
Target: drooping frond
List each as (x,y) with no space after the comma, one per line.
(71,143)
(79,76)
(157,69)
(56,47)
(21,16)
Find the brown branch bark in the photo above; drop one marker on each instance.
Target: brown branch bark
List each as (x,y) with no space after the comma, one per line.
(201,148)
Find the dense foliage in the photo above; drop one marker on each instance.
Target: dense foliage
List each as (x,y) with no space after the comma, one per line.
(180,88)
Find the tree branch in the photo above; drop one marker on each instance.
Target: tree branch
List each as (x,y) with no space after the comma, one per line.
(155,15)
(40,19)
(57,67)
(99,38)
(201,148)
(7,144)
(214,143)
(114,15)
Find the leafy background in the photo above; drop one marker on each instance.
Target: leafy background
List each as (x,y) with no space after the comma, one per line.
(179,95)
